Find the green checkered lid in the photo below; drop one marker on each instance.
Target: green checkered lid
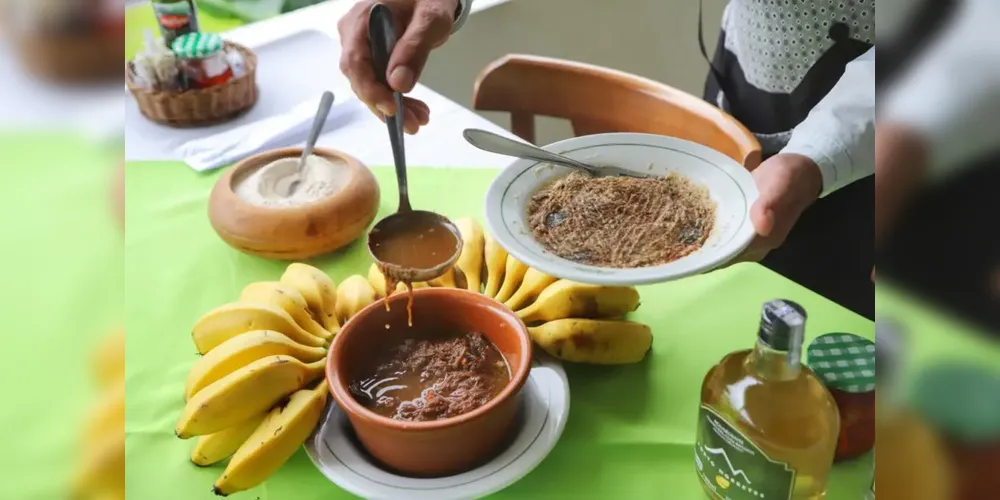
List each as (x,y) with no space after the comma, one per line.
(960,399)
(197,45)
(844,361)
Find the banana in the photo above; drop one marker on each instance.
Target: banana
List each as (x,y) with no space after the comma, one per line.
(230,320)
(221,445)
(532,286)
(353,295)
(109,359)
(274,441)
(569,299)
(101,473)
(603,342)
(287,298)
(513,275)
(107,417)
(470,261)
(449,279)
(242,350)
(319,291)
(495,258)
(244,393)
(377,280)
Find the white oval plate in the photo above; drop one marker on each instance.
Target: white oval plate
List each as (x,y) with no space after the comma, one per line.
(730,186)
(544,410)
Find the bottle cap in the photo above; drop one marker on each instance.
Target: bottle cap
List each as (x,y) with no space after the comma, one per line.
(782,325)
(843,361)
(197,45)
(961,401)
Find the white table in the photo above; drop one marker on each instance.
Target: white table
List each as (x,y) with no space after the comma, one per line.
(438,144)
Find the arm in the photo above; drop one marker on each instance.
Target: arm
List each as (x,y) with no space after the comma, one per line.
(839,133)
(950,99)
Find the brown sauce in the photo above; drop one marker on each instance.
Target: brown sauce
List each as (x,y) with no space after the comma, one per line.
(390,288)
(423,378)
(414,240)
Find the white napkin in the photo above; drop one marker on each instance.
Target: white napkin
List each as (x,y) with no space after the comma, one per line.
(284,130)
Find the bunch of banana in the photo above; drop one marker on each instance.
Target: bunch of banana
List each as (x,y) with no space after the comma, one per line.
(258,390)
(100,473)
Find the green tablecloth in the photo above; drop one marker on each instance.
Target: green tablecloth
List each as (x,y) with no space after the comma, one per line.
(631,428)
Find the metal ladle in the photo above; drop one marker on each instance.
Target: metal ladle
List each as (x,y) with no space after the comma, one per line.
(382,38)
(493,143)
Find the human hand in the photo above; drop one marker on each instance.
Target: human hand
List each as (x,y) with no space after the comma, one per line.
(425,25)
(787,184)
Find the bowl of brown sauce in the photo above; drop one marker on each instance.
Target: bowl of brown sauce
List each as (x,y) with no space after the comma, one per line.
(436,398)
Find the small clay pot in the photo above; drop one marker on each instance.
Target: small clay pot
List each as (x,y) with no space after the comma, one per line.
(294,233)
(442,447)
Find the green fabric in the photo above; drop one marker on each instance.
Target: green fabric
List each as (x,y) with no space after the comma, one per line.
(631,428)
(844,361)
(140,18)
(63,292)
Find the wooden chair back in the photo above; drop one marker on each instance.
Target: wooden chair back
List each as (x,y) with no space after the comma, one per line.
(600,100)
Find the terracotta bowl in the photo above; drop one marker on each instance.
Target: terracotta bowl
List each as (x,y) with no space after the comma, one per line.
(294,233)
(443,447)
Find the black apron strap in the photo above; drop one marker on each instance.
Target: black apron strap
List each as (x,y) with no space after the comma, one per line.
(724,83)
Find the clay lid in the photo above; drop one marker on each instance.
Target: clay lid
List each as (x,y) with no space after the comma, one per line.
(300,232)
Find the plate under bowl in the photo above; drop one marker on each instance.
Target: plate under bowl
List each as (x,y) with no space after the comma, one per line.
(729,184)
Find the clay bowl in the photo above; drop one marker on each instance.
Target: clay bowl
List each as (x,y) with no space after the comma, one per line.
(443,447)
(294,233)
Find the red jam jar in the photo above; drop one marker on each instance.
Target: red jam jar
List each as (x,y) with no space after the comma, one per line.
(202,58)
(846,364)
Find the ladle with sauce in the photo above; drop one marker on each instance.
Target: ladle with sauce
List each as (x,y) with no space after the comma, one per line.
(410,245)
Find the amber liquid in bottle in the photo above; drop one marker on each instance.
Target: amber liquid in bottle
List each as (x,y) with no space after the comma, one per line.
(768,427)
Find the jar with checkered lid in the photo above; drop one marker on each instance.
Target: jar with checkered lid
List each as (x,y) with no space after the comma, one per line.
(846,364)
(203,60)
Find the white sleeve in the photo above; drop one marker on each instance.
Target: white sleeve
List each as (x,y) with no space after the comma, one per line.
(839,133)
(464,9)
(951,95)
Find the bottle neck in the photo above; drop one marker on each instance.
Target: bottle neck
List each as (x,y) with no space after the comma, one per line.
(773,364)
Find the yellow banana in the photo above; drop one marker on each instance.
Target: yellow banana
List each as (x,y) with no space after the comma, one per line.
(353,295)
(109,359)
(569,299)
(216,447)
(287,298)
(513,275)
(449,279)
(495,258)
(470,261)
(533,284)
(230,320)
(319,291)
(242,350)
(107,417)
(595,341)
(274,441)
(377,280)
(101,473)
(244,393)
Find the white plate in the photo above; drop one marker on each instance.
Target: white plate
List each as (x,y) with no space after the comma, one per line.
(730,186)
(544,410)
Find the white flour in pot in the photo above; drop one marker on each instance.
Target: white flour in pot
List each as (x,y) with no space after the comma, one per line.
(266,186)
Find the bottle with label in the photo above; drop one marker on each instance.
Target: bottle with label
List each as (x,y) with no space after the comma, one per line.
(768,427)
(176,18)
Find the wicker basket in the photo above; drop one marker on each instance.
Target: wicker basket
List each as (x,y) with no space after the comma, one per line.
(70,59)
(200,107)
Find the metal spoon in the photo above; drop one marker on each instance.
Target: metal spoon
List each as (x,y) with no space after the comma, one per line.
(493,143)
(382,38)
(325,103)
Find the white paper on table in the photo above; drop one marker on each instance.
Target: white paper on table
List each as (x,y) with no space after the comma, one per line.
(279,131)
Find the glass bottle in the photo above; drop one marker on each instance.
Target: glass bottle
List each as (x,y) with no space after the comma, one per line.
(176,18)
(767,427)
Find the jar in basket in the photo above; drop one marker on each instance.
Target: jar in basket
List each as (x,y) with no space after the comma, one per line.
(202,59)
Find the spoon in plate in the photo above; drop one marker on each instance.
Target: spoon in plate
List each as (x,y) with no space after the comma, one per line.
(410,245)
(494,143)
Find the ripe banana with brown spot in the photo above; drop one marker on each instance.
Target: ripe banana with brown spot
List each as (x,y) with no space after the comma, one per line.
(287,298)
(227,321)
(319,291)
